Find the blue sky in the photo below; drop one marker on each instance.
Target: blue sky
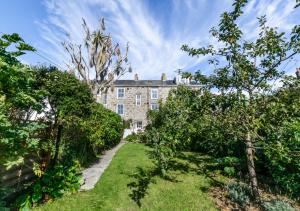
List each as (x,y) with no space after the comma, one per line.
(155,29)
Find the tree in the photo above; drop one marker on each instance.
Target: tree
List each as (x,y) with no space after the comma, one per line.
(245,69)
(104,60)
(169,128)
(14,40)
(19,98)
(68,99)
(297,3)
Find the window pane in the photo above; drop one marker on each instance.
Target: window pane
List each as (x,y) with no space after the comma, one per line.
(154,106)
(138,99)
(121,92)
(120,109)
(154,93)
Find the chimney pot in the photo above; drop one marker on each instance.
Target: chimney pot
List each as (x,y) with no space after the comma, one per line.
(136,77)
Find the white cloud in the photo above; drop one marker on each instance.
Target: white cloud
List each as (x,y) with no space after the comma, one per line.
(279,13)
(154,43)
(153,49)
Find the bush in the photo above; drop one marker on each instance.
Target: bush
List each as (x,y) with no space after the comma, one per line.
(86,138)
(239,193)
(127,123)
(277,205)
(133,138)
(54,183)
(283,159)
(229,165)
(104,128)
(230,171)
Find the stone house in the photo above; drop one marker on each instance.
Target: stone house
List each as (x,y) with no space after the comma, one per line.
(132,99)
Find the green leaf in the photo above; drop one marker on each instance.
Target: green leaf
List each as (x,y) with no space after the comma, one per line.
(25,47)
(230,171)
(12,38)
(36,196)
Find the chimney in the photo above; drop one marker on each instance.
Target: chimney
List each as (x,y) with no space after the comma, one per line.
(136,77)
(298,72)
(163,77)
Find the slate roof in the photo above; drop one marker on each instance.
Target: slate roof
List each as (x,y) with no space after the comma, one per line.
(152,83)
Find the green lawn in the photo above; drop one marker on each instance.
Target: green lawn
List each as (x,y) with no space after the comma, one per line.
(189,192)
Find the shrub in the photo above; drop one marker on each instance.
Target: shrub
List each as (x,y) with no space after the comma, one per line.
(54,183)
(239,193)
(277,205)
(104,128)
(86,138)
(229,165)
(283,158)
(134,138)
(230,171)
(127,123)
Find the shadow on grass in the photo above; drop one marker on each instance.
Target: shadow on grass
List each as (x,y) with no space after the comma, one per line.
(143,178)
(205,165)
(184,163)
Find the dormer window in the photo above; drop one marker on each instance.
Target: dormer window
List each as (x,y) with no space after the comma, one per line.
(154,94)
(120,93)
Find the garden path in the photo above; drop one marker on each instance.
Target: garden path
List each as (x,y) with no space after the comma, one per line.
(92,174)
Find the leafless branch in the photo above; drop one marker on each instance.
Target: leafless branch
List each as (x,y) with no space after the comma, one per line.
(103,61)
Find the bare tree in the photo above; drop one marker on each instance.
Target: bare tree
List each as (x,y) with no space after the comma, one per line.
(102,61)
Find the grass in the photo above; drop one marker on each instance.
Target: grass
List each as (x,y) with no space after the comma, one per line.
(189,192)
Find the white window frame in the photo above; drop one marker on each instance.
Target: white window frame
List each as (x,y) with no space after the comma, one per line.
(118,89)
(156,105)
(152,90)
(117,109)
(138,100)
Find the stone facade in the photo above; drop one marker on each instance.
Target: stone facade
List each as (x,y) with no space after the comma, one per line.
(132,99)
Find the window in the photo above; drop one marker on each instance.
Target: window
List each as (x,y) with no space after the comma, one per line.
(138,99)
(105,99)
(139,125)
(121,93)
(154,94)
(120,109)
(154,106)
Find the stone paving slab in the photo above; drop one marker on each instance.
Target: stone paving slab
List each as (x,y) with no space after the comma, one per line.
(92,174)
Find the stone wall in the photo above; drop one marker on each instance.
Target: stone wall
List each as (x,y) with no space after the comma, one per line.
(131,110)
(138,113)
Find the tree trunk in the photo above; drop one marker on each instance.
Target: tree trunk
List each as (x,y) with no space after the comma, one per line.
(57,144)
(251,166)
